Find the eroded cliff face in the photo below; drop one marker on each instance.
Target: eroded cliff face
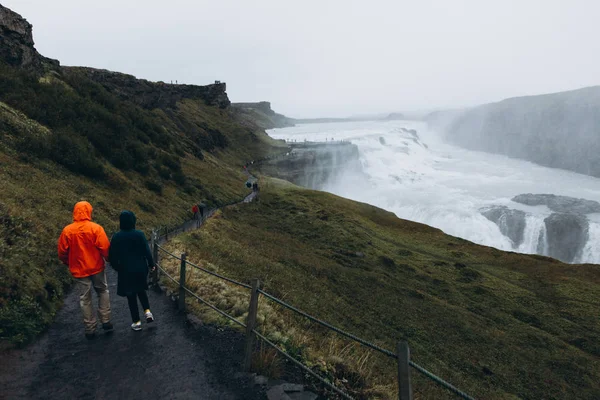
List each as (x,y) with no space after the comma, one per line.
(152,95)
(17,50)
(558,130)
(563,234)
(315,165)
(17,45)
(261,114)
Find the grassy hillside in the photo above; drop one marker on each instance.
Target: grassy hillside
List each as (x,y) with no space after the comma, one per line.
(65,137)
(498,325)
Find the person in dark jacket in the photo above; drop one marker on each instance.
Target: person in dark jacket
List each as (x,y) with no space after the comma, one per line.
(130,256)
(202,209)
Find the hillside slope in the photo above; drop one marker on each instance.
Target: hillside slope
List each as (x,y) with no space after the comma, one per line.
(559,130)
(68,134)
(261,114)
(498,325)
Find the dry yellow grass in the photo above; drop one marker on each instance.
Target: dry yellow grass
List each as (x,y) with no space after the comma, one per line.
(498,325)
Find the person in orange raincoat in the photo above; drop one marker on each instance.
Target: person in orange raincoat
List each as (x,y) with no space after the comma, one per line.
(83,246)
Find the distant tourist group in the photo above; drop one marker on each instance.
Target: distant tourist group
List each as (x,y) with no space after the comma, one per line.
(84,247)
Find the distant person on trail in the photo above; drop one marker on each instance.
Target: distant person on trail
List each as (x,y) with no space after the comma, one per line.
(195,211)
(84,247)
(201,208)
(130,256)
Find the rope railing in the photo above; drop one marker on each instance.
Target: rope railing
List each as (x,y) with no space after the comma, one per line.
(168,252)
(244,285)
(215,308)
(440,381)
(168,276)
(368,344)
(328,325)
(220,276)
(402,356)
(302,366)
(185,289)
(223,313)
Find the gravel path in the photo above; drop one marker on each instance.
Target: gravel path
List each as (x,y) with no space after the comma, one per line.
(166,360)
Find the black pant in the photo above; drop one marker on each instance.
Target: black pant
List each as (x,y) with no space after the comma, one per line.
(133,307)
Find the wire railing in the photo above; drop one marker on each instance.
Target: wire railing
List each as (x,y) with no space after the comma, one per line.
(402,355)
(251,328)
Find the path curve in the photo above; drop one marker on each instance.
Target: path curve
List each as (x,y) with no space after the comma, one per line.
(166,360)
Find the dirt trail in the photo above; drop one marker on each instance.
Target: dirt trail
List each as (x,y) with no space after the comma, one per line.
(166,360)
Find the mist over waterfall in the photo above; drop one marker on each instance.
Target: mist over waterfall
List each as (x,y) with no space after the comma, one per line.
(411,171)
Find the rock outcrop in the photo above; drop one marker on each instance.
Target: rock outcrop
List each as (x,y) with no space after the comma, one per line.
(152,95)
(17,50)
(567,235)
(262,114)
(511,222)
(566,229)
(315,165)
(559,204)
(17,45)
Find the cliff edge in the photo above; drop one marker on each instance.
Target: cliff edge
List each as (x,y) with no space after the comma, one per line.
(17,45)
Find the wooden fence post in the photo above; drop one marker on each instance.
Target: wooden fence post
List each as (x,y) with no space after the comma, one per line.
(251,324)
(182,283)
(404,387)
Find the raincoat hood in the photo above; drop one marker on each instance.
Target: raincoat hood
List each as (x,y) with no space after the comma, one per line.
(127,220)
(82,211)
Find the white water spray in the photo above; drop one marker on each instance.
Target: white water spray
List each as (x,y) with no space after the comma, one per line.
(535,240)
(420,178)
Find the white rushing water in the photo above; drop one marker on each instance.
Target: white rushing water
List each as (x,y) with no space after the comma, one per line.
(423,179)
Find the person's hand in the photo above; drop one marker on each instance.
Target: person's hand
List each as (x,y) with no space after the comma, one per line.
(153,268)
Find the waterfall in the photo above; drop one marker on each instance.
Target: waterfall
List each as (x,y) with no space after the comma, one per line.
(591,252)
(442,185)
(535,240)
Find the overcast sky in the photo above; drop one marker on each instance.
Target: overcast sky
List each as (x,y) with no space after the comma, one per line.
(333,57)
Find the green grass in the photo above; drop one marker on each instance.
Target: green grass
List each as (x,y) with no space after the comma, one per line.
(59,139)
(498,325)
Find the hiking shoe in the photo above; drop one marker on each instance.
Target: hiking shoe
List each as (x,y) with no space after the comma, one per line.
(90,335)
(108,326)
(137,326)
(149,316)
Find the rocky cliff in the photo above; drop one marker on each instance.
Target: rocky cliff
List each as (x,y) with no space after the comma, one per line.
(314,165)
(152,95)
(565,230)
(262,114)
(17,50)
(16,43)
(558,130)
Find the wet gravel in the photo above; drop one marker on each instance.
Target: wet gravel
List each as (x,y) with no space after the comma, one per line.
(166,360)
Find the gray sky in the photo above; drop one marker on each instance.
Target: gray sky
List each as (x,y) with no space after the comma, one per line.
(333,57)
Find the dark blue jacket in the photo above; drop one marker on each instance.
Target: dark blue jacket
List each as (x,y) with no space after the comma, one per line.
(130,256)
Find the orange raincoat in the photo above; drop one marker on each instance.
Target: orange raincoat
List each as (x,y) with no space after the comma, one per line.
(83,244)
